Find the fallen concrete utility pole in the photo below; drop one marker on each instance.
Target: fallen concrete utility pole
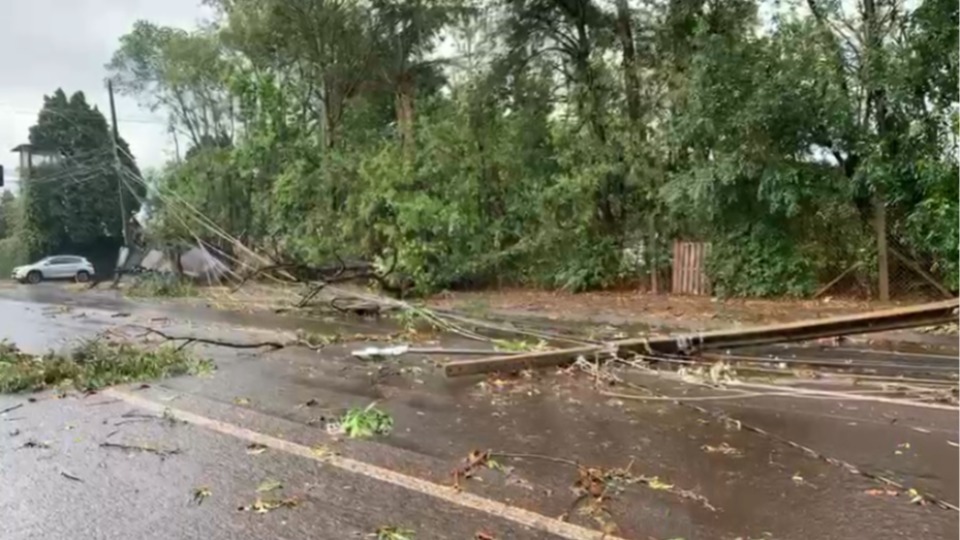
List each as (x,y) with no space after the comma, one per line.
(878,321)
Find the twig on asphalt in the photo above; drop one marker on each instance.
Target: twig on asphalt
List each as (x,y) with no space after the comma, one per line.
(69,476)
(13,408)
(135,414)
(541,457)
(107,402)
(138,448)
(136,420)
(35,444)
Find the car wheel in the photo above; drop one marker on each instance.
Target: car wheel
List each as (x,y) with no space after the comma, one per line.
(83,276)
(34,277)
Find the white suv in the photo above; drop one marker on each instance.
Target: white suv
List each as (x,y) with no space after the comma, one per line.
(56,267)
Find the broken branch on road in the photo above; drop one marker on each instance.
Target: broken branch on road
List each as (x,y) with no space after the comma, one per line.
(139,448)
(188,340)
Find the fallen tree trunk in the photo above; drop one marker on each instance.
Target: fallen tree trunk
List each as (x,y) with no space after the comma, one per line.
(877,321)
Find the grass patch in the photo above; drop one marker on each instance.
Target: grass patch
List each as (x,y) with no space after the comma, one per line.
(162,286)
(93,365)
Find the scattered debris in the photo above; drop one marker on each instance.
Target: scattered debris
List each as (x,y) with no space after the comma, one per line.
(801,481)
(32,443)
(655,483)
(69,476)
(916,497)
(367,422)
(322,451)
(262,506)
(876,492)
(472,462)
(600,484)
(484,535)
(722,448)
(255,449)
(241,401)
(92,365)
(200,494)
(381,353)
(14,433)
(394,533)
(269,485)
(138,448)
(120,314)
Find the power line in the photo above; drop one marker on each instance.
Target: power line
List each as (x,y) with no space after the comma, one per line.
(93,114)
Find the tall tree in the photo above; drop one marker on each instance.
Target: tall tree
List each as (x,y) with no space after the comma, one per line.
(405,34)
(8,215)
(183,73)
(73,199)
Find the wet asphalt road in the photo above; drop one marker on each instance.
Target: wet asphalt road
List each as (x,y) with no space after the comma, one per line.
(752,493)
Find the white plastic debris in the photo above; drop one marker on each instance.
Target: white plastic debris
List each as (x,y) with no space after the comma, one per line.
(381,352)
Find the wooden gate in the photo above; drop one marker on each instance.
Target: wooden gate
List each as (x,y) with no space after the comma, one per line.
(689,260)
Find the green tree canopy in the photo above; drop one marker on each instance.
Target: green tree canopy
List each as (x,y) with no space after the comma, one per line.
(71,197)
(563,142)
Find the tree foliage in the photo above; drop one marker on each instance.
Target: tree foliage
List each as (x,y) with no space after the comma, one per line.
(70,199)
(532,141)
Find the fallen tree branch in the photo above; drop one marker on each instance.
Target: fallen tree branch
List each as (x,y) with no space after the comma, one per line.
(187,340)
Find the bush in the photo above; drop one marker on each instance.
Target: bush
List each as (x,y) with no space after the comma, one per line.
(760,262)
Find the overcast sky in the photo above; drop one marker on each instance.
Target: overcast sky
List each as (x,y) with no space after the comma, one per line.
(48,44)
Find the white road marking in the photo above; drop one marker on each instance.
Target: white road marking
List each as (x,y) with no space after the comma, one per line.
(494,508)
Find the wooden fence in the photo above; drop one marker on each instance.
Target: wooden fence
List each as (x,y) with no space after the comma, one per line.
(689,274)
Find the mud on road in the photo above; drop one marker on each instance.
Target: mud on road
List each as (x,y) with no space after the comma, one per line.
(667,470)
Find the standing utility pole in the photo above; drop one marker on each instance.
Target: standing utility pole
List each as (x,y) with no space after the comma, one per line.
(118,168)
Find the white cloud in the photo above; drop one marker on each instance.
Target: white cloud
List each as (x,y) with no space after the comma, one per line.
(50,44)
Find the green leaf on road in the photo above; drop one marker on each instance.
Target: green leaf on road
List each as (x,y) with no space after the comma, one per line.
(269,485)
